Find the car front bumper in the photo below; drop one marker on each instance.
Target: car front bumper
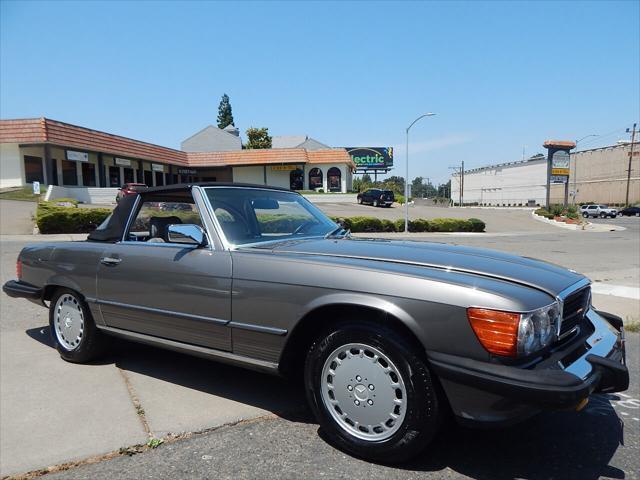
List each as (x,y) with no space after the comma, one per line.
(496,393)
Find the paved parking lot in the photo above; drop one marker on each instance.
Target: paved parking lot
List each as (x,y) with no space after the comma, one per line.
(257,426)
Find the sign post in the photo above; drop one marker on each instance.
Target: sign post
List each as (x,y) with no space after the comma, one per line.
(36,188)
(558,166)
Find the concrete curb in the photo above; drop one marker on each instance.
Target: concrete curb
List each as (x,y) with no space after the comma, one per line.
(542,219)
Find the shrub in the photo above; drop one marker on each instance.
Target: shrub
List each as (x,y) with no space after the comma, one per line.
(51,218)
(544,213)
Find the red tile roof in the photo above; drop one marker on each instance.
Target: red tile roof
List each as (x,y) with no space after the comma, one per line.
(44,130)
(559,144)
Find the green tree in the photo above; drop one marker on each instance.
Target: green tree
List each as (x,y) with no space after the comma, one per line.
(418,187)
(395,184)
(444,190)
(225,116)
(258,138)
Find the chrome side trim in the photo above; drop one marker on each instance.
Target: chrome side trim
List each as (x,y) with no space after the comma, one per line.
(158,244)
(258,328)
(160,311)
(601,341)
(227,357)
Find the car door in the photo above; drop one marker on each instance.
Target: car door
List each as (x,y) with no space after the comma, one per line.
(174,291)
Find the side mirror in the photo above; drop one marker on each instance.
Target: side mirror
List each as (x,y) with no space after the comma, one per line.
(187,234)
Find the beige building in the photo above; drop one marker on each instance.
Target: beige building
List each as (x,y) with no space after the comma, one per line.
(598,175)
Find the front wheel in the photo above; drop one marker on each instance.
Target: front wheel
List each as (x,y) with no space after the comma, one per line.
(585,215)
(372,393)
(375,203)
(72,328)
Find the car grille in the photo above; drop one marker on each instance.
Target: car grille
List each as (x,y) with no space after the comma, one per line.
(574,309)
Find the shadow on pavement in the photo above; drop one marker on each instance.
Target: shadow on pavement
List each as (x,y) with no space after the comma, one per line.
(565,445)
(259,390)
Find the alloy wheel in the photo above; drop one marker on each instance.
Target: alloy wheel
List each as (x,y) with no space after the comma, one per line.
(68,321)
(364,392)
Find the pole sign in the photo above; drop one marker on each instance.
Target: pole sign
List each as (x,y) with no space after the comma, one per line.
(560,163)
(371,158)
(36,188)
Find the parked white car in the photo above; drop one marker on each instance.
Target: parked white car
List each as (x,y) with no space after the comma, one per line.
(601,211)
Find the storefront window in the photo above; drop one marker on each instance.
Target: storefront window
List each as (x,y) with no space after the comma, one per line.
(334,177)
(114,176)
(69,173)
(315,178)
(128,175)
(148,178)
(159,179)
(296,179)
(88,174)
(33,169)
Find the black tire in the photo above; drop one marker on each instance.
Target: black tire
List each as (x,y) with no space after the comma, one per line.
(603,215)
(360,200)
(375,203)
(92,342)
(424,404)
(585,215)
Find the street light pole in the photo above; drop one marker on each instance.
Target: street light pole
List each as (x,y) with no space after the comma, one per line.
(406,179)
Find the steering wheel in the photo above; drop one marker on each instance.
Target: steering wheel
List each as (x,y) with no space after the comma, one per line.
(303,226)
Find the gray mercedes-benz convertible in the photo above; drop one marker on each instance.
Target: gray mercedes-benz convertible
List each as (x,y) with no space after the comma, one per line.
(389,337)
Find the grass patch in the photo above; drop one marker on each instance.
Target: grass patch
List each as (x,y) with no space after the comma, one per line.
(632,327)
(24,194)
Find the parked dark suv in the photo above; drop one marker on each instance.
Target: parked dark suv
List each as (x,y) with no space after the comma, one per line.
(377,197)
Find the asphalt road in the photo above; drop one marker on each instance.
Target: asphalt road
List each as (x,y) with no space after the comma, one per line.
(53,412)
(602,441)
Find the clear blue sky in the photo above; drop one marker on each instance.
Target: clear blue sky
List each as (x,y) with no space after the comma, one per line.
(499,75)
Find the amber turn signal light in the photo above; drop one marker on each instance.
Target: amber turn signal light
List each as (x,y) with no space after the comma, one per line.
(496,330)
(19,269)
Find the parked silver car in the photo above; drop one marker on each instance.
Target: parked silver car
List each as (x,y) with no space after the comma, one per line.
(388,337)
(602,211)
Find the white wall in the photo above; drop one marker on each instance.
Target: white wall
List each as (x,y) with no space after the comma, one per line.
(10,165)
(278,178)
(513,184)
(252,174)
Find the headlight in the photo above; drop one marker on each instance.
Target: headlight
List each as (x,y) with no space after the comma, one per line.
(512,334)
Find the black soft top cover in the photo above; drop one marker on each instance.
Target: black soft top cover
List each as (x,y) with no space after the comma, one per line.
(112,229)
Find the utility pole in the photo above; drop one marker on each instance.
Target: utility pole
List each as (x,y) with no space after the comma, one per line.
(462,185)
(633,139)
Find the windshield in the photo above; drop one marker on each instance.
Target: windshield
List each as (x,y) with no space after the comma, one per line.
(253,215)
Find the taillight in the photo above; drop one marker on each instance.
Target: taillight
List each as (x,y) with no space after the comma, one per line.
(19,269)
(496,330)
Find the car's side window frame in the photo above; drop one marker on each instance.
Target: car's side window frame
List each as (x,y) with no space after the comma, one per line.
(135,210)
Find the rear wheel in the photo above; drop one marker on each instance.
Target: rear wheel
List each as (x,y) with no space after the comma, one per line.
(360,200)
(585,215)
(375,203)
(72,328)
(372,393)
(603,215)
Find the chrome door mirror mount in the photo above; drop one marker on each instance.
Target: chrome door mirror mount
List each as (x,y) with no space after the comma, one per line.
(187,234)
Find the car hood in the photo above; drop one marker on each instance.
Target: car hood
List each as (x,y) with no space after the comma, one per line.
(538,274)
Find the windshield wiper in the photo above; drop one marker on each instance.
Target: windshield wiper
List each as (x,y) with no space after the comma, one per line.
(336,232)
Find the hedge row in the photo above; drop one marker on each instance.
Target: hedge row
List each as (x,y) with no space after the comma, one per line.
(52,218)
(372,224)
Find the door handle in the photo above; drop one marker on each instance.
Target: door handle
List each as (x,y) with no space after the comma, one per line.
(111,261)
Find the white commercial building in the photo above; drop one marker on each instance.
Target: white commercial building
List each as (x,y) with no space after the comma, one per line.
(597,175)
